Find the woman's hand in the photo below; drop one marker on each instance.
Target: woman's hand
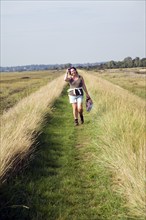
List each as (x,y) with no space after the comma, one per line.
(87,96)
(67,75)
(68,70)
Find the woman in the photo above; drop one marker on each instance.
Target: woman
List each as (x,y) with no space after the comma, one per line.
(77,85)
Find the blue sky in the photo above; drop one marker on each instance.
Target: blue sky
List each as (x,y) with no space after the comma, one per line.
(57,32)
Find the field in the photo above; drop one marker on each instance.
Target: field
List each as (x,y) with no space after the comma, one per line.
(15,86)
(133,79)
(53,170)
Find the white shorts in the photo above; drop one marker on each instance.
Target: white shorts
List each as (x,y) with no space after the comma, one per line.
(76,99)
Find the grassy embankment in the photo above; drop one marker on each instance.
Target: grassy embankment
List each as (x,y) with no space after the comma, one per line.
(15,86)
(120,132)
(20,124)
(133,79)
(64,181)
(114,141)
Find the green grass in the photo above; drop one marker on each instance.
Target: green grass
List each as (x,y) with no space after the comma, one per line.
(64,180)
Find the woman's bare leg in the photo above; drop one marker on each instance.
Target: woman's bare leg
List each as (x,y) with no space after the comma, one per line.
(80,108)
(75,110)
(80,111)
(75,113)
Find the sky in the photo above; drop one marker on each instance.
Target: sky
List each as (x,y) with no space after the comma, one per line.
(59,32)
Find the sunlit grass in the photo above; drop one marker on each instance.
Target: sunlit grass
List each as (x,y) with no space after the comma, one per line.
(64,180)
(120,133)
(131,79)
(21,122)
(77,166)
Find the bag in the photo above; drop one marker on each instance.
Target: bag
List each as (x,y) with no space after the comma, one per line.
(89,104)
(79,91)
(76,91)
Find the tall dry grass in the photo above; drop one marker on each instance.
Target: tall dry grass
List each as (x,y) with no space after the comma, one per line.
(119,120)
(19,124)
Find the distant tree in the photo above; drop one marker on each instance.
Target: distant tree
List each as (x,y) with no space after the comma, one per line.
(119,64)
(103,66)
(136,62)
(111,64)
(128,62)
(143,62)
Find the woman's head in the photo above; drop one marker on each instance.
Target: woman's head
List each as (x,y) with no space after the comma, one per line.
(73,71)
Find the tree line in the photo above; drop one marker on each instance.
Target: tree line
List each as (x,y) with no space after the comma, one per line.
(128,62)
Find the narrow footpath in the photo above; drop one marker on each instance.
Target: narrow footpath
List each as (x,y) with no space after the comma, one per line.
(63,181)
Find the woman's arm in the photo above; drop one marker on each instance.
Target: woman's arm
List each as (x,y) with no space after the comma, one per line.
(66,77)
(85,89)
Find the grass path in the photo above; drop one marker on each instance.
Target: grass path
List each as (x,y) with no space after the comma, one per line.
(63,181)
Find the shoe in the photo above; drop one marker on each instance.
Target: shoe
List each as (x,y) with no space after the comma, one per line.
(76,122)
(82,119)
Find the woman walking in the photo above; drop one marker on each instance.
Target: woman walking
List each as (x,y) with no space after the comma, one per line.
(77,85)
